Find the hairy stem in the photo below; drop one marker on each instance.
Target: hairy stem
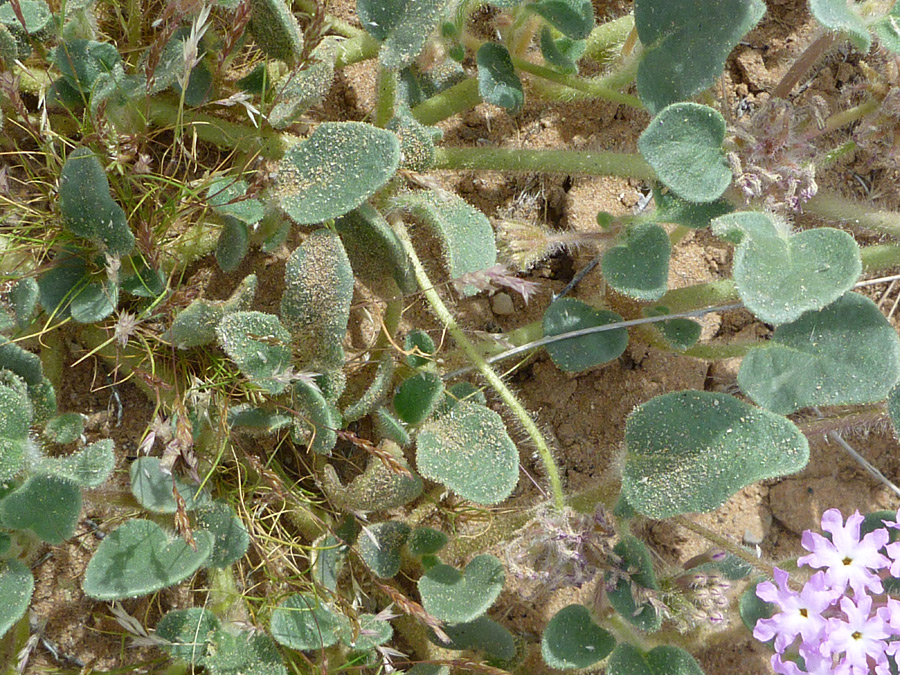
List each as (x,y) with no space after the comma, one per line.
(856,216)
(726,545)
(447,319)
(596,89)
(460,97)
(387,96)
(803,64)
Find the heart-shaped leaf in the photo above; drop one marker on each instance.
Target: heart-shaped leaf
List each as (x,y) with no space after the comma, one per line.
(638,266)
(572,640)
(403,26)
(689,451)
(140,557)
(303,622)
(498,83)
(380,544)
(188,633)
(572,18)
(837,15)
(845,354)
(673,209)
(460,597)
(780,276)
(469,451)
(665,660)
(580,353)
(683,144)
(483,634)
(313,181)
(89,467)
(634,574)
(417,396)
(259,345)
(686,43)
(45,504)
(16,587)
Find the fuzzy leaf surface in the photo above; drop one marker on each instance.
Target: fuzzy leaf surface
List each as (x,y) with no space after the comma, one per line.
(686,44)
(259,345)
(372,632)
(230,538)
(228,196)
(275,30)
(572,18)
(153,489)
(639,265)
(233,244)
(845,354)
(887,30)
(460,597)
(303,622)
(375,253)
(418,396)
(16,588)
(580,353)
(498,82)
(89,467)
(673,209)
(483,634)
(335,170)
(380,544)
(837,15)
(402,26)
(244,653)
(188,632)
(572,640)
(636,559)
(45,504)
(780,276)
(666,660)
(689,451)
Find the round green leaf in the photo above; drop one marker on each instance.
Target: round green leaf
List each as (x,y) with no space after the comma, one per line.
(188,632)
(837,15)
(686,43)
(403,26)
(89,467)
(420,347)
(417,396)
(233,244)
(65,428)
(243,653)
(425,541)
(691,450)
(572,18)
(638,266)
(47,505)
(572,640)
(469,451)
(580,353)
(16,587)
(230,540)
(894,409)
(259,345)
(683,144)
(666,660)
(680,333)
(672,209)
(380,544)
(276,30)
(498,83)
(140,557)
(460,597)
(314,183)
(845,354)
(780,276)
(303,622)
(153,489)
(483,634)
(374,251)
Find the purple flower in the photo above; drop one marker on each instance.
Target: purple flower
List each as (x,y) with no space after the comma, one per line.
(860,636)
(801,613)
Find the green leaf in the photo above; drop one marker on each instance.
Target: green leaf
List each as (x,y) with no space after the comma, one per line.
(562,53)
(894,409)
(672,209)
(83,62)
(838,15)
(374,251)
(887,30)
(316,419)
(680,333)
(469,451)
(430,668)
(683,144)
(416,141)
(380,544)
(638,266)
(23,298)
(845,354)
(390,428)
(403,26)
(420,348)
(425,541)
(88,210)
(572,640)
(275,30)
(94,301)
(259,345)
(635,572)
(666,660)
(230,538)
(304,622)
(233,244)
(21,362)
(300,91)
(139,558)
(780,276)
(89,467)
(46,505)
(65,428)
(686,44)
(498,83)
(36,13)
(752,608)
(153,489)
(313,182)
(16,587)
(460,597)
(483,635)
(461,391)
(580,353)
(376,391)
(196,324)
(145,282)
(256,420)
(418,396)
(227,196)
(188,633)
(689,451)
(465,233)
(573,18)
(376,489)
(372,632)
(246,653)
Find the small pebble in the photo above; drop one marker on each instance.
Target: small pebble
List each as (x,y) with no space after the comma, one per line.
(502,304)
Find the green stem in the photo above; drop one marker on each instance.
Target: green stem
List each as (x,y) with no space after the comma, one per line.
(335,24)
(387,96)
(725,544)
(856,216)
(460,97)
(447,319)
(570,162)
(849,116)
(592,87)
(607,35)
(361,47)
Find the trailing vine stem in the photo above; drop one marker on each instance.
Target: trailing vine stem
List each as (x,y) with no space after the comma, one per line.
(446,318)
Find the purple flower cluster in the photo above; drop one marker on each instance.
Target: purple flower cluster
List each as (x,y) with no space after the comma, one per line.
(841,621)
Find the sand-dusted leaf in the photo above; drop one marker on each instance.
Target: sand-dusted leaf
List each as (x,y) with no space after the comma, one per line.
(380,545)
(672,209)
(153,489)
(572,639)
(666,660)
(376,254)
(686,44)
(402,26)
(65,428)
(416,141)
(466,235)
(469,451)
(313,181)
(315,305)
(83,62)
(259,345)
(845,354)
(230,538)
(426,541)
(227,196)
(838,15)
(196,324)
(376,489)
(20,361)
(683,144)
(45,504)
(36,13)
(430,668)
(89,467)
(893,403)
(243,653)
(572,18)
(9,50)
(300,90)
(140,557)
(887,30)
(188,633)
(317,419)
(483,634)
(779,276)
(372,632)
(275,30)
(23,299)
(376,391)
(87,208)
(390,428)
(638,265)
(580,353)
(635,573)
(460,597)
(691,450)
(146,282)
(418,396)
(16,587)
(251,419)
(303,621)
(94,301)
(16,413)
(498,82)
(233,244)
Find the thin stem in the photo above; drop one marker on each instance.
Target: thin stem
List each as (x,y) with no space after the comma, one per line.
(803,64)
(726,545)
(387,96)
(447,319)
(460,97)
(849,116)
(570,162)
(592,87)
(857,216)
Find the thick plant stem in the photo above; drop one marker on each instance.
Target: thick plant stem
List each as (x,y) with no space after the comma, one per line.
(460,97)
(857,216)
(571,162)
(387,96)
(447,319)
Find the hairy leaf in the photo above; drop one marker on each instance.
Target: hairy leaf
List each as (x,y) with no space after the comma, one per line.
(580,353)
(460,597)
(572,640)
